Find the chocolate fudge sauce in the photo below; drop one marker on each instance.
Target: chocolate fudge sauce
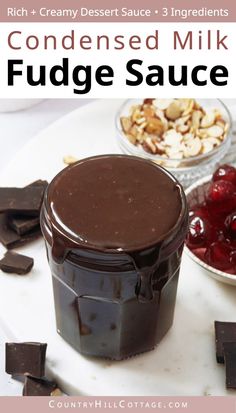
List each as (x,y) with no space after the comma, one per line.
(117,214)
(114,202)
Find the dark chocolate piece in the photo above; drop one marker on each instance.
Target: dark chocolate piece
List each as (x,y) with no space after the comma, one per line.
(12,227)
(10,239)
(39,182)
(224,332)
(230,364)
(26,358)
(22,225)
(15,263)
(26,238)
(40,387)
(24,201)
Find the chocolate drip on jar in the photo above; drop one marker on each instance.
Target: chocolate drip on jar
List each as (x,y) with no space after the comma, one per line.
(146,263)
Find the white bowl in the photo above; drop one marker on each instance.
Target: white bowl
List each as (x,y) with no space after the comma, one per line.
(212,272)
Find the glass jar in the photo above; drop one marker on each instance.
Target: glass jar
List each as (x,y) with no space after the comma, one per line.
(113,302)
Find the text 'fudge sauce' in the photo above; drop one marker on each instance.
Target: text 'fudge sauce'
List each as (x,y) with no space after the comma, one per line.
(121,210)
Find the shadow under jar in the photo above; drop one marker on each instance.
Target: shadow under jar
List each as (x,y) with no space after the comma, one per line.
(114,227)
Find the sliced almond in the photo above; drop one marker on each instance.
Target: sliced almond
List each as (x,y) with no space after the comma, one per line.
(148,111)
(125,123)
(193,148)
(171,125)
(142,126)
(182,120)
(165,124)
(136,114)
(151,145)
(184,104)
(160,148)
(183,128)
(207,146)
(69,160)
(226,128)
(196,117)
(160,114)
(162,104)
(197,106)
(215,141)
(202,133)
(140,137)
(155,126)
(188,136)
(173,111)
(140,120)
(215,131)
(134,130)
(208,120)
(131,138)
(172,138)
(189,107)
(221,123)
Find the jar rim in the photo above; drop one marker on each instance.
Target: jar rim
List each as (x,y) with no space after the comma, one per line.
(142,247)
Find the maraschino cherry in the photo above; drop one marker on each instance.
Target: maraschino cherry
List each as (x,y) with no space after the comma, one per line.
(212,227)
(225,173)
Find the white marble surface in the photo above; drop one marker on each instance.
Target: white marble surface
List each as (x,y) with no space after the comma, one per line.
(16,130)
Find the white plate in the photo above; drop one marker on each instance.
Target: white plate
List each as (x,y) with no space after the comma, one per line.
(184,362)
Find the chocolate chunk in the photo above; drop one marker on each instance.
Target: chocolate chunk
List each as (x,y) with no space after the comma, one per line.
(230,364)
(22,225)
(39,182)
(40,387)
(26,238)
(14,227)
(16,263)
(10,239)
(224,332)
(26,358)
(24,201)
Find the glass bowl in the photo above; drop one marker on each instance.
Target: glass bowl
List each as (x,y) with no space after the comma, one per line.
(195,195)
(186,170)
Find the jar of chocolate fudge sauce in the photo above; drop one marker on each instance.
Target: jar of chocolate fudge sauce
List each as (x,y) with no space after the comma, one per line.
(114,227)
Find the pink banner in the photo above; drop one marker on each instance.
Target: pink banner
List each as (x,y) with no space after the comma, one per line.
(118,404)
(117,11)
